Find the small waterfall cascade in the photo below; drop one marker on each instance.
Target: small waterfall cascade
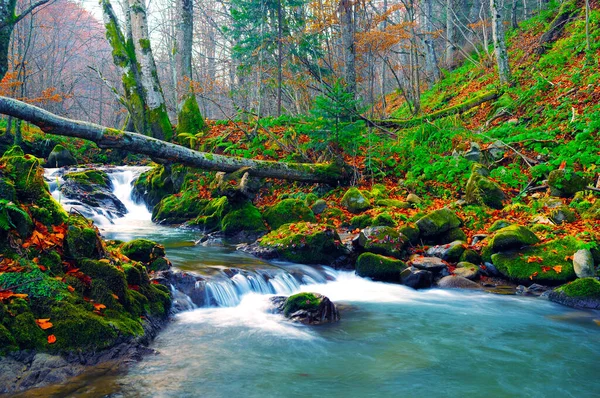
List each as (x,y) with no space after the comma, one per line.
(121,178)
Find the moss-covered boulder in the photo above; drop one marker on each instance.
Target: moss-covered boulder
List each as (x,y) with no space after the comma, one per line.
(82,239)
(211,215)
(438,222)
(512,237)
(178,208)
(411,231)
(450,252)
(89,177)
(143,250)
(382,240)
(379,268)
(483,191)
(566,183)
(243,217)
(27,177)
(307,308)
(470,256)
(399,204)
(499,224)
(593,213)
(562,214)
(467,270)
(93,188)
(160,181)
(305,243)
(581,293)
(318,206)
(288,211)
(355,201)
(546,263)
(7,190)
(60,157)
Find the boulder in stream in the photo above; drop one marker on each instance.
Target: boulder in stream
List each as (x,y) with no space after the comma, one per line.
(306,308)
(93,188)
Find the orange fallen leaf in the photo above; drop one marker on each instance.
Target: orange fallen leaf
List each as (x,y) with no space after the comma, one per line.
(44,323)
(51,339)
(533,275)
(99,306)
(71,288)
(534,259)
(557,269)
(114,296)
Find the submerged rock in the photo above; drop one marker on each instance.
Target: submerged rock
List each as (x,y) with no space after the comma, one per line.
(306,308)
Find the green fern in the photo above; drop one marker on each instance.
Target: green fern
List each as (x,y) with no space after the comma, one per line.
(6,222)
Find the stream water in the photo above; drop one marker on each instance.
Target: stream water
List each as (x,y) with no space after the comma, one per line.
(391,340)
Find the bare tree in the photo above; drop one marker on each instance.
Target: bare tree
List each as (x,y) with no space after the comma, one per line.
(500,42)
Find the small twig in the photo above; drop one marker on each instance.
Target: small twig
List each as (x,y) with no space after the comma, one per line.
(592,189)
(574,114)
(10,288)
(539,188)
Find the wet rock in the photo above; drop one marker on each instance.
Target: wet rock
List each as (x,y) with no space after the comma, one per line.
(379,268)
(93,188)
(306,308)
(533,290)
(190,285)
(478,238)
(382,240)
(450,252)
(416,278)
(467,270)
(583,263)
(581,293)
(60,157)
(489,269)
(457,282)
(431,264)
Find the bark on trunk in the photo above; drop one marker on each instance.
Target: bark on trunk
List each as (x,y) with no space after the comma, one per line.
(450,33)
(500,42)
(431,67)
(347,32)
(104,137)
(189,117)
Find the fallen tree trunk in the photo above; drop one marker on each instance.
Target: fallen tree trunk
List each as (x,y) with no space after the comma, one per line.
(566,12)
(453,110)
(104,137)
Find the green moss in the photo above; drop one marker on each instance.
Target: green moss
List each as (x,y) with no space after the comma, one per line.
(355,201)
(438,222)
(310,199)
(212,214)
(470,256)
(305,243)
(483,191)
(82,240)
(176,209)
(96,177)
(26,332)
(34,283)
(512,237)
(301,301)
(379,191)
(189,119)
(287,211)
(566,183)
(499,224)
(382,240)
(7,190)
(450,236)
(393,203)
(411,231)
(7,341)
(361,221)
(244,217)
(593,213)
(143,250)
(523,266)
(582,288)
(379,268)
(113,277)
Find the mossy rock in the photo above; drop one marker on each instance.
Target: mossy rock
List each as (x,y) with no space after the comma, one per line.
(499,224)
(310,199)
(212,214)
(160,264)
(379,268)
(287,211)
(301,301)
(361,221)
(355,201)
(26,332)
(305,243)
(382,240)
(483,191)
(379,191)
(411,231)
(318,206)
(20,220)
(438,222)
(135,274)
(566,183)
(244,217)
(178,208)
(450,236)
(7,341)
(157,183)
(82,240)
(90,177)
(60,157)
(399,204)
(113,277)
(143,250)
(581,288)
(470,256)
(526,266)
(512,237)
(562,214)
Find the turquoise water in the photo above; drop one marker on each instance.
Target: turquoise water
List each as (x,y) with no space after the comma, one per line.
(391,341)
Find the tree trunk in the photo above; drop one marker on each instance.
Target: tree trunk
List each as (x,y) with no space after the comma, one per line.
(189,118)
(104,137)
(500,42)
(346,10)
(513,15)
(567,10)
(450,33)
(431,68)
(279,56)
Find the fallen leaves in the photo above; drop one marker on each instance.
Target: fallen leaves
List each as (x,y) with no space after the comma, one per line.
(534,259)
(557,269)
(51,339)
(44,323)
(6,295)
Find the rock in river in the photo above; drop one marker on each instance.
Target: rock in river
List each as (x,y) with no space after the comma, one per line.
(306,308)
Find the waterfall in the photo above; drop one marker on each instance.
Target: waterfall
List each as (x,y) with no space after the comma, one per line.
(121,179)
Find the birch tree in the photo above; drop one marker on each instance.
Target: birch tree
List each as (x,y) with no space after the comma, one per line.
(500,42)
